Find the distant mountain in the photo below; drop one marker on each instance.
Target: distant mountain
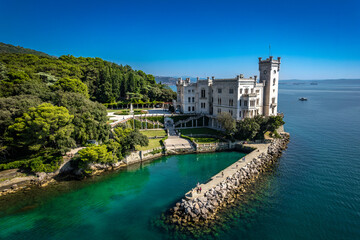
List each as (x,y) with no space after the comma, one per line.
(166,80)
(8,48)
(172,80)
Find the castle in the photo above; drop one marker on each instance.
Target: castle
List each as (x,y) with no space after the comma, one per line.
(241,97)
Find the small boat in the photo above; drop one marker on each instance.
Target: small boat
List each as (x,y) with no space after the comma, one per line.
(303,99)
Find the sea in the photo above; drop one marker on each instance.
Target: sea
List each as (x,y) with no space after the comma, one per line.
(313,192)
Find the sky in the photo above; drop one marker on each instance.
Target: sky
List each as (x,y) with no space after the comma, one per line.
(315,39)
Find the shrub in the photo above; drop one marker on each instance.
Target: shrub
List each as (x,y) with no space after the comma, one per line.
(95,154)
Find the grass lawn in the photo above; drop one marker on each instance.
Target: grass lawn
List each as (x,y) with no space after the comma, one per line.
(153,143)
(200,131)
(154,133)
(205,140)
(126,109)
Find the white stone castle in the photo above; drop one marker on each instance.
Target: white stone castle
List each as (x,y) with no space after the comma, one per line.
(241,97)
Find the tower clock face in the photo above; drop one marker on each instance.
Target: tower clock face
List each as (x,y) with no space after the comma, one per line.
(265,71)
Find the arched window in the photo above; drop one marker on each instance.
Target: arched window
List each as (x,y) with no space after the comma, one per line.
(274,81)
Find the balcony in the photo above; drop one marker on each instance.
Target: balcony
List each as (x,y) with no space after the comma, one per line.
(249,95)
(249,107)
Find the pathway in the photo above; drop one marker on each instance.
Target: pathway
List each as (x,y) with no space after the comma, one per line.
(229,171)
(123,118)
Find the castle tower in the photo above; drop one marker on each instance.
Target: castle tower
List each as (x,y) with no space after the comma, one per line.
(269,75)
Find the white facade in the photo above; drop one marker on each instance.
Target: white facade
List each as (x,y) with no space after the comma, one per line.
(241,97)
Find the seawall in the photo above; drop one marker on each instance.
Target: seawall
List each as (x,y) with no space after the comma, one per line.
(223,188)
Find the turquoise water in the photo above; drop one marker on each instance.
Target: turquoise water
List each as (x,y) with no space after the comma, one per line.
(120,205)
(312,193)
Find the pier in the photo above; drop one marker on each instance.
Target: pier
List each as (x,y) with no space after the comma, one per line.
(229,171)
(227,185)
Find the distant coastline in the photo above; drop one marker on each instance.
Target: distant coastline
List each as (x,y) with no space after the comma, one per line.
(171,81)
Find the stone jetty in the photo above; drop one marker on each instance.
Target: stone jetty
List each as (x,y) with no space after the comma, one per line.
(222,189)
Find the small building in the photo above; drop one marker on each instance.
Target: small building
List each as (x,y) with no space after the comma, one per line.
(241,97)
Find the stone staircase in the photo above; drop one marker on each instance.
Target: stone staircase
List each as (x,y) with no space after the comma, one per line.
(182,123)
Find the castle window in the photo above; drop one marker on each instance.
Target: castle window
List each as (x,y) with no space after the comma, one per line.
(240,103)
(231,102)
(240,114)
(202,93)
(274,81)
(189,108)
(257,91)
(202,105)
(257,102)
(231,91)
(252,90)
(189,99)
(193,99)
(189,91)
(219,110)
(273,100)
(274,71)
(245,103)
(193,108)
(219,90)
(246,91)
(240,90)
(252,103)
(193,90)
(231,112)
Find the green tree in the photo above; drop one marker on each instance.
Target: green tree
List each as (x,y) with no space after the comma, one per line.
(96,154)
(274,122)
(129,138)
(247,129)
(72,85)
(227,122)
(42,127)
(14,107)
(90,118)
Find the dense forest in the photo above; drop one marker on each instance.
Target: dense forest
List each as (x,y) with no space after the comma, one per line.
(49,105)
(8,48)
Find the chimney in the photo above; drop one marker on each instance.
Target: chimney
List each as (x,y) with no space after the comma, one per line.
(237,77)
(213,78)
(241,75)
(271,58)
(279,58)
(255,77)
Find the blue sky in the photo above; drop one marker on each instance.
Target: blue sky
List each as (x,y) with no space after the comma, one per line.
(316,39)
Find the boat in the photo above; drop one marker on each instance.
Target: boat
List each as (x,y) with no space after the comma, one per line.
(314,83)
(303,99)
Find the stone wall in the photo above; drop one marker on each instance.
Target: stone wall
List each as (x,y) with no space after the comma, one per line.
(213,147)
(140,156)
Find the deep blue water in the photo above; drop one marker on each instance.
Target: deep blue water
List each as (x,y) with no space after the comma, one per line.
(312,193)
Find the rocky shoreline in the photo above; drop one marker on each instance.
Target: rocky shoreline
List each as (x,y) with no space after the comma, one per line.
(202,210)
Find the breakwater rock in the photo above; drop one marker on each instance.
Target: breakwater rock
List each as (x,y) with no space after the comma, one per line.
(203,209)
